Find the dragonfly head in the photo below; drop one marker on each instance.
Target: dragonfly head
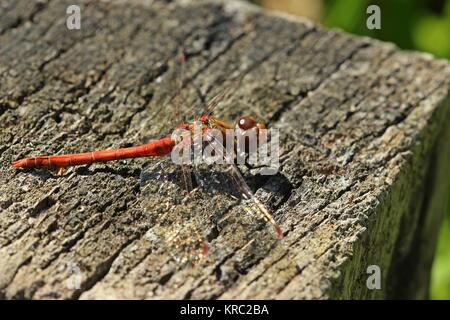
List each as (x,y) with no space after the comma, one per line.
(247,123)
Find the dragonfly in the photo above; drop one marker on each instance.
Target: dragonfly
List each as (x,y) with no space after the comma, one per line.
(163,179)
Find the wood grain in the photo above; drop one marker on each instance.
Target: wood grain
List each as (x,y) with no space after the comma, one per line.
(364,171)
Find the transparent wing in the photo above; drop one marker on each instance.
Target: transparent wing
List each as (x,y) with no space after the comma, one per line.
(173,212)
(165,110)
(207,224)
(220,96)
(254,205)
(166,188)
(184,223)
(240,237)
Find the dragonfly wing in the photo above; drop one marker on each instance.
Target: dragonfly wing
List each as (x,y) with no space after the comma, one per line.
(186,175)
(255,206)
(185,223)
(172,212)
(233,234)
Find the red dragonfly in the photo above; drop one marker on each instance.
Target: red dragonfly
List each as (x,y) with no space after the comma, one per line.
(182,236)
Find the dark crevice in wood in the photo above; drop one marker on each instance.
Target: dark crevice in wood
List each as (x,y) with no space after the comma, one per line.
(19,21)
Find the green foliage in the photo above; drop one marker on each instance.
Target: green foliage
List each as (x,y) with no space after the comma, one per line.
(432,34)
(348,15)
(411,24)
(440,278)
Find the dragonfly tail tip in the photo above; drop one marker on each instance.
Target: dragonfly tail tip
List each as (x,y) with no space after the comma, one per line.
(18,163)
(205,249)
(279,231)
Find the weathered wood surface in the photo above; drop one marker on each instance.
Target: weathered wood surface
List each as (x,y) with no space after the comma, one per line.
(365,164)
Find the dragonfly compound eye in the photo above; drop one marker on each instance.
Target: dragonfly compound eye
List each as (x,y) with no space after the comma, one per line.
(246,122)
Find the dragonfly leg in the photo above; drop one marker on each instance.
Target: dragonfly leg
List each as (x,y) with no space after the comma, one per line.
(60,171)
(252,167)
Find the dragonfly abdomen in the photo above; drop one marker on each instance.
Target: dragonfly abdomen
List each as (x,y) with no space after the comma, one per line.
(158,148)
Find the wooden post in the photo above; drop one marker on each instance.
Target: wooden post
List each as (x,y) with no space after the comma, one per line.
(364,167)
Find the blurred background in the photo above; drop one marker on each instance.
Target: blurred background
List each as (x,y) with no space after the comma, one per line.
(411,24)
